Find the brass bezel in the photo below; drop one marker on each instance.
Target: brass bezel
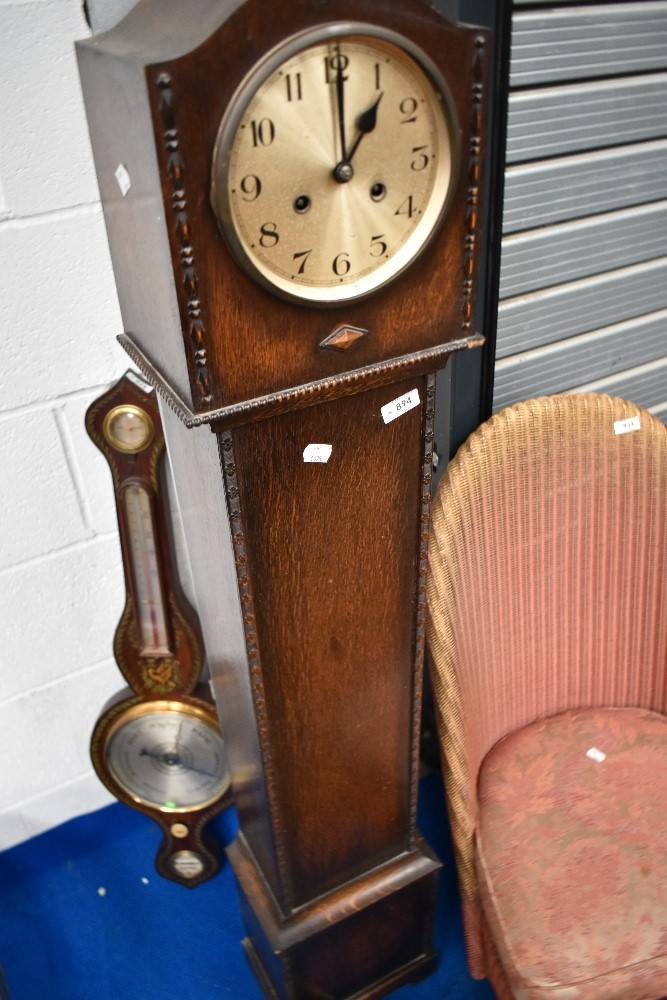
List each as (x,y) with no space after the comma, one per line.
(115,441)
(121,715)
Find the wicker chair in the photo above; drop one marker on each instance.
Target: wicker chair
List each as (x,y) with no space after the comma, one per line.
(548,636)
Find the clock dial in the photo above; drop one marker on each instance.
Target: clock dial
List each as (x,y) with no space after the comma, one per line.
(333,166)
(167,755)
(128,429)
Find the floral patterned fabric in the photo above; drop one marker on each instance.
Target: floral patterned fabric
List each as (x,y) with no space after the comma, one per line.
(572,855)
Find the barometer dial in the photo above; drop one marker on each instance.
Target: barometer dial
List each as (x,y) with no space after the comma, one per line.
(168,755)
(166,758)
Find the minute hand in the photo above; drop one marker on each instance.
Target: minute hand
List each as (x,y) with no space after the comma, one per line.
(340,101)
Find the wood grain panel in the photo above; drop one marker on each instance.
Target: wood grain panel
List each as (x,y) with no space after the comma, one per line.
(332,552)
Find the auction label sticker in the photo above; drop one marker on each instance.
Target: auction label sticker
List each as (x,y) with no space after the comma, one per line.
(399,406)
(627,425)
(122,176)
(317,453)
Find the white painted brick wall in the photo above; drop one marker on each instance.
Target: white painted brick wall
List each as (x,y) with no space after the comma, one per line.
(61,587)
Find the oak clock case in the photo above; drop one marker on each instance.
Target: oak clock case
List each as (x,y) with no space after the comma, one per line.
(297,396)
(157,745)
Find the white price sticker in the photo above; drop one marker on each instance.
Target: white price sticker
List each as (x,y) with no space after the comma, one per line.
(123,178)
(627,425)
(399,406)
(317,453)
(139,381)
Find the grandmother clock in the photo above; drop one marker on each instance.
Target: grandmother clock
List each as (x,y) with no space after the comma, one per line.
(292,197)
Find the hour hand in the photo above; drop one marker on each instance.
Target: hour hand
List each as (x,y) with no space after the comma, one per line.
(366,122)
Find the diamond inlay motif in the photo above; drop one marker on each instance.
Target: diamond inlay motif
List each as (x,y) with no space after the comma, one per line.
(343,337)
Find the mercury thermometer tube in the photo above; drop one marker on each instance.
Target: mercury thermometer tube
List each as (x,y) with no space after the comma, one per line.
(148,591)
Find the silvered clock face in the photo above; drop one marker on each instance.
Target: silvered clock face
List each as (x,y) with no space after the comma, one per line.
(333,165)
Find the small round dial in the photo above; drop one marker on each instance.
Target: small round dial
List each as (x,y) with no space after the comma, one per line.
(333,165)
(168,755)
(128,428)
(187,864)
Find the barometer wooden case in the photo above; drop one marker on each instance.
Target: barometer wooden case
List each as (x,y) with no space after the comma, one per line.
(157,745)
(292,196)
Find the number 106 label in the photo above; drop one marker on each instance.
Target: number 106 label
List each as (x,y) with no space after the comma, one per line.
(399,406)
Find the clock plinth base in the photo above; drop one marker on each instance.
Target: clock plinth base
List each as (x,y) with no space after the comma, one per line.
(361,941)
(415,971)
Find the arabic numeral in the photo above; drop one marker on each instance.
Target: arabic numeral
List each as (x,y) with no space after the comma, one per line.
(408,107)
(294,87)
(378,246)
(251,187)
(263,132)
(405,403)
(341,264)
(421,161)
(333,65)
(269,235)
(305,254)
(407,207)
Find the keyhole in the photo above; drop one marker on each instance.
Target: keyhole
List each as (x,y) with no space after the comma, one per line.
(302,204)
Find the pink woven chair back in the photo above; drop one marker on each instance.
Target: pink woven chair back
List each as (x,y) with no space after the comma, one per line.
(547,582)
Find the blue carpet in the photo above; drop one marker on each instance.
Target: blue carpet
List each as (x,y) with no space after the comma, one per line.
(84,916)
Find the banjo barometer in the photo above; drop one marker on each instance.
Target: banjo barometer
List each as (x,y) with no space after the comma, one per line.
(293,201)
(157,745)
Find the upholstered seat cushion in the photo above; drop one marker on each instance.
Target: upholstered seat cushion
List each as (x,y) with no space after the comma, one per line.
(572,855)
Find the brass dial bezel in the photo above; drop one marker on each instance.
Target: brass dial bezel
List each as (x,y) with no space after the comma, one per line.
(418,239)
(115,441)
(110,725)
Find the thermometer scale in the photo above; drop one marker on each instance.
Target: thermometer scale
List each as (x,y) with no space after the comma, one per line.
(153,635)
(158,747)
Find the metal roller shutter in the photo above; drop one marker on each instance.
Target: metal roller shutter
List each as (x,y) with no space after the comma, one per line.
(583,283)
